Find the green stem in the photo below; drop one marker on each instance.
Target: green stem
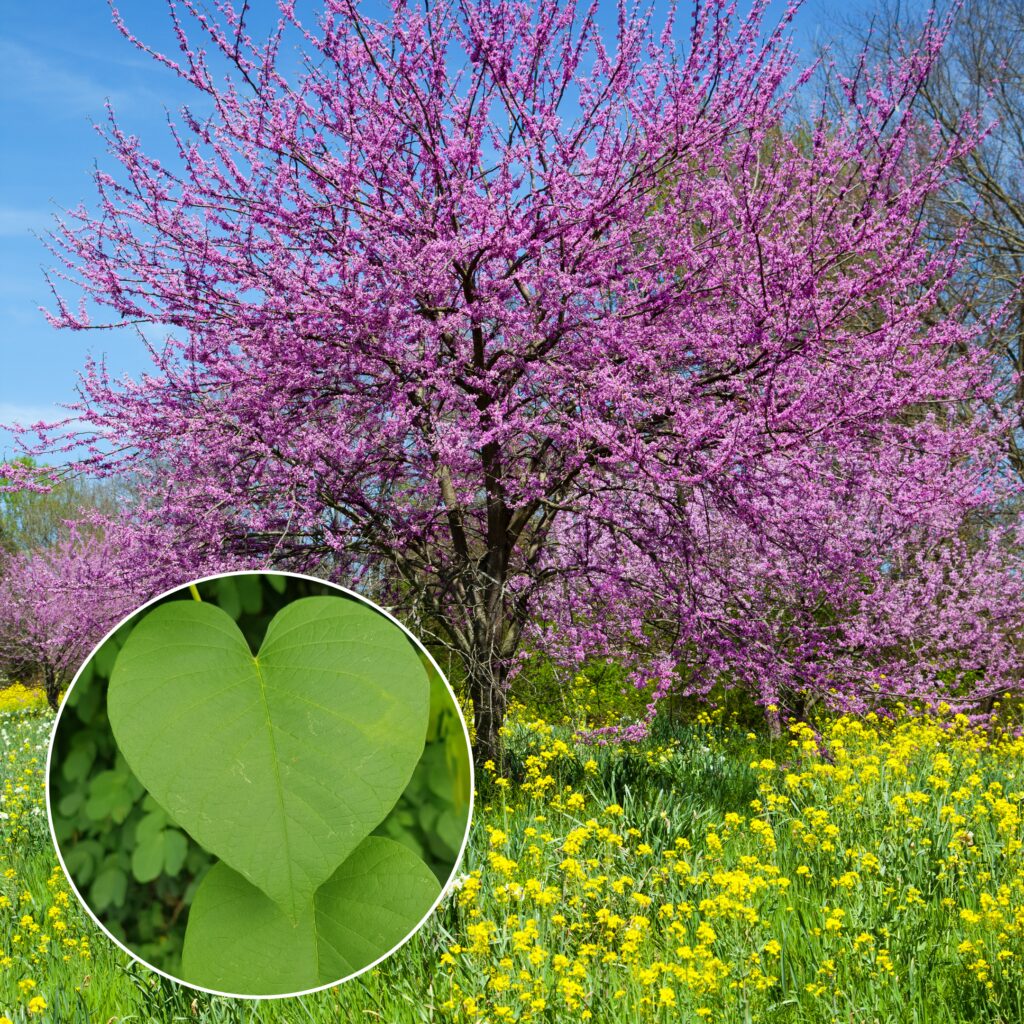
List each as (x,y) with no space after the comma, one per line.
(195,592)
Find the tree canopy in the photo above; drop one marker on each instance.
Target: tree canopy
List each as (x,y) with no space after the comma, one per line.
(558,333)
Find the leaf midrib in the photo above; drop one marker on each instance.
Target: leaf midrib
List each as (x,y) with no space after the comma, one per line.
(279,788)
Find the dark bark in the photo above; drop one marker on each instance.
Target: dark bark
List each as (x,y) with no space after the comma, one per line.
(51,682)
(489,694)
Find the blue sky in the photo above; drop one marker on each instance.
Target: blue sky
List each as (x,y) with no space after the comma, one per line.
(60,61)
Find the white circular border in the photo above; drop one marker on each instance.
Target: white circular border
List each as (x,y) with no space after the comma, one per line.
(419,646)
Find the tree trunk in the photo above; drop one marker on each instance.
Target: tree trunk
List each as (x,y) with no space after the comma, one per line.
(51,682)
(490,703)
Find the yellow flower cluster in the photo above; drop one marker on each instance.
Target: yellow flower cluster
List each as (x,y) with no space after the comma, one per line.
(842,872)
(18,697)
(861,851)
(43,932)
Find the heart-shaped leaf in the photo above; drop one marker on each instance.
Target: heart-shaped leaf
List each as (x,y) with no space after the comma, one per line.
(242,943)
(282,763)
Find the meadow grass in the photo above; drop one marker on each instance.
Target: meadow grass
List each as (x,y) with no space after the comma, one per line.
(871,871)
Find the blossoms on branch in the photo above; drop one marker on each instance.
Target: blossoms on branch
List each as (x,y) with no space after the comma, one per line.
(538,326)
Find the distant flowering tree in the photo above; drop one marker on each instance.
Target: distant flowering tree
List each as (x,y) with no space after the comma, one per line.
(861,604)
(53,610)
(546,327)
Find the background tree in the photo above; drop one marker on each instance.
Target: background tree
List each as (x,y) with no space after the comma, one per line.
(520,319)
(38,503)
(52,561)
(52,612)
(979,73)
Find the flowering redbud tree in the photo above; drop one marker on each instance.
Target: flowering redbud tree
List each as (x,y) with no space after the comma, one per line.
(806,609)
(52,612)
(538,324)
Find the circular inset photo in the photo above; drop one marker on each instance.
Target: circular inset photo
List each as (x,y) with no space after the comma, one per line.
(259,784)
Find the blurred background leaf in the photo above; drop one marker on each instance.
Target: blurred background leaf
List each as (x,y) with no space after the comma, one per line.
(432,814)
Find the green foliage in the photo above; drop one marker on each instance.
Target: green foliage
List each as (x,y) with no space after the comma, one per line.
(129,849)
(596,694)
(30,519)
(736,703)
(103,817)
(686,786)
(241,941)
(237,747)
(432,814)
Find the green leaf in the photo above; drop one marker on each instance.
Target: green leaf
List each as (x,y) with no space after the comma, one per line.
(70,805)
(109,889)
(250,592)
(241,943)
(228,597)
(109,796)
(80,860)
(76,765)
(158,852)
(148,858)
(441,778)
(175,851)
(149,826)
(426,817)
(86,698)
(85,676)
(103,662)
(282,763)
(451,830)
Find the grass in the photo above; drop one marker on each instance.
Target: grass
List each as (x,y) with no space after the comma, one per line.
(872,871)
